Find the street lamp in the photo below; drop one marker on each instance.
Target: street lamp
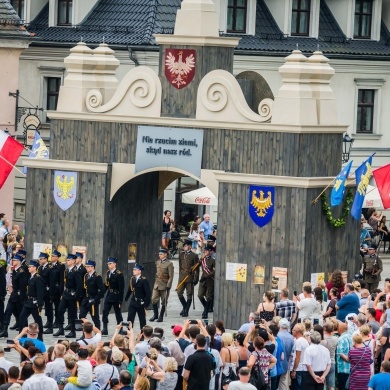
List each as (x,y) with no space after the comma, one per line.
(347,145)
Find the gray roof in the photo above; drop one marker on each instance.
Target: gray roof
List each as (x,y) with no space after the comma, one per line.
(133,23)
(10,24)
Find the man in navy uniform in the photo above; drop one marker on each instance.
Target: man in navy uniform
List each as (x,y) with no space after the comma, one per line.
(3,289)
(44,272)
(72,291)
(57,272)
(22,253)
(18,294)
(140,296)
(93,292)
(35,298)
(115,286)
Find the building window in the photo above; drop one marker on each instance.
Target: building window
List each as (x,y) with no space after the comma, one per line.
(236,18)
(65,12)
(363,19)
(300,22)
(18,6)
(365,111)
(52,91)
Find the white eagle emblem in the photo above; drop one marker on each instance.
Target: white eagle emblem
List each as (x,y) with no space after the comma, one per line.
(179,70)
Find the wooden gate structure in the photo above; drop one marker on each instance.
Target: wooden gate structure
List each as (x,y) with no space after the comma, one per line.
(294,143)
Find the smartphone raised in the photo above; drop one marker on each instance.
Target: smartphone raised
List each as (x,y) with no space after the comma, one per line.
(193,322)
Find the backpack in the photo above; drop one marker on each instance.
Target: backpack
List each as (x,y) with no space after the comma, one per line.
(257,377)
(214,364)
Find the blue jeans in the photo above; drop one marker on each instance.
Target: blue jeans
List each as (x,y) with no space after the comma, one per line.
(296,384)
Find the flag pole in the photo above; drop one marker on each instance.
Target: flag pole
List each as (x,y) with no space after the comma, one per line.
(316,199)
(13,166)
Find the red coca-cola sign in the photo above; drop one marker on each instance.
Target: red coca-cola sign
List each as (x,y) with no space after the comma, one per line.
(205,200)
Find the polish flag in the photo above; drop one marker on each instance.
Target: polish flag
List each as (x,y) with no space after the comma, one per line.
(10,150)
(382,180)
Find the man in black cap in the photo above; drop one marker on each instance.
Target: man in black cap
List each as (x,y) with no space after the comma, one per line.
(372,268)
(57,272)
(44,273)
(187,261)
(162,284)
(34,303)
(206,283)
(18,294)
(22,253)
(72,290)
(115,286)
(93,293)
(140,296)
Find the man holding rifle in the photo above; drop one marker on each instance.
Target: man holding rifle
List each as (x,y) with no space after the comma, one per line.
(188,276)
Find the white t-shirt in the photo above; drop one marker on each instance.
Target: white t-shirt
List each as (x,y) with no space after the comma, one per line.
(307,307)
(300,345)
(317,356)
(237,385)
(84,373)
(92,340)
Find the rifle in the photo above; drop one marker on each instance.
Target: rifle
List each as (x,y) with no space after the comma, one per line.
(192,270)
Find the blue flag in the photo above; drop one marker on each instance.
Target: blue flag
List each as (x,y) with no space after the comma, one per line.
(339,185)
(363,175)
(38,149)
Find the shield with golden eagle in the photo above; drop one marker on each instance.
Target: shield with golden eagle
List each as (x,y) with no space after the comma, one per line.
(261,204)
(65,188)
(180,66)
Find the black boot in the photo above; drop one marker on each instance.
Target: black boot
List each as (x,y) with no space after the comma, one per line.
(203,302)
(47,325)
(187,308)
(206,310)
(68,327)
(71,334)
(60,331)
(183,303)
(155,313)
(16,326)
(211,308)
(55,325)
(104,330)
(161,316)
(4,333)
(49,330)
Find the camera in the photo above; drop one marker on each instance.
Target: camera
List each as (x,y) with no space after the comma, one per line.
(125,323)
(106,344)
(316,321)
(148,354)
(350,318)
(299,320)
(257,322)
(382,298)
(193,322)
(295,293)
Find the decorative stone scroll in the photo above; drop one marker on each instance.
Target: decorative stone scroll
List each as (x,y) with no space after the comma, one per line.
(220,98)
(138,94)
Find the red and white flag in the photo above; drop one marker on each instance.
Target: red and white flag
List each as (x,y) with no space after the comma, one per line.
(10,150)
(382,179)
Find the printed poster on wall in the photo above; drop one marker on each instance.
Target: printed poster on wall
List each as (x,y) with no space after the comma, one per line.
(344,274)
(316,278)
(41,247)
(81,249)
(279,278)
(132,253)
(236,272)
(259,274)
(63,249)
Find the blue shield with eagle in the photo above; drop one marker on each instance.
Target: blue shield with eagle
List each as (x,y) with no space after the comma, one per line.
(261,204)
(65,188)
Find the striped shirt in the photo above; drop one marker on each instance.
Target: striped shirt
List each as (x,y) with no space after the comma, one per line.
(285,309)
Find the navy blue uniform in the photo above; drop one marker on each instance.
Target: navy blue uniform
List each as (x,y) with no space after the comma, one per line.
(44,272)
(115,286)
(57,272)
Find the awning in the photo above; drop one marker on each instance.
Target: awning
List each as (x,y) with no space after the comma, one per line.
(372,198)
(202,196)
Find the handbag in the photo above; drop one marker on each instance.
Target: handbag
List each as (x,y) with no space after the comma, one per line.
(231,374)
(257,377)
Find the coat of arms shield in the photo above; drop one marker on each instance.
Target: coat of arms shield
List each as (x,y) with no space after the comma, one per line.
(65,188)
(261,204)
(180,66)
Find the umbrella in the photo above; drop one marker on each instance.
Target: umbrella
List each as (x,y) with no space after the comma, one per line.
(200,196)
(372,198)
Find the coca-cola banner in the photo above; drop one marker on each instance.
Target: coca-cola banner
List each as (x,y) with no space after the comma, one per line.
(162,147)
(200,196)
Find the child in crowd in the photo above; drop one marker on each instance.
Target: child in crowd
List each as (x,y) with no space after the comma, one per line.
(83,370)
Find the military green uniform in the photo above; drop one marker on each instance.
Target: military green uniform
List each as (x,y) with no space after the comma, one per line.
(206,284)
(372,268)
(187,259)
(162,285)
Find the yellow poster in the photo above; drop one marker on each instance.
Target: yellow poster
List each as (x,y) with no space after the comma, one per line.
(132,249)
(63,249)
(236,272)
(259,274)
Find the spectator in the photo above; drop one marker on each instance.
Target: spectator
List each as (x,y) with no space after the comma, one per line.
(349,303)
(243,382)
(143,346)
(199,366)
(308,305)
(243,352)
(229,355)
(262,356)
(381,381)
(330,342)
(13,375)
(39,380)
(156,344)
(277,370)
(299,368)
(288,344)
(220,329)
(171,377)
(245,327)
(125,380)
(215,343)
(61,378)
(83,369)
(285,308)
(371,320)
(364,297)
(331,308)
(92,334)
(335,281)
(317,361)
(26,372)
(104,372)
(206,226)
(177,353)
(58,365)
(3,377)
(32,332)
(141,384)
(357,286)
(267,308)
(4,363)
(320,308)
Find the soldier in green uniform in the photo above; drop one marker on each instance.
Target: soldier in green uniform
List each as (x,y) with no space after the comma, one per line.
(372,268)
(206,283)
(162,284)
(187,260)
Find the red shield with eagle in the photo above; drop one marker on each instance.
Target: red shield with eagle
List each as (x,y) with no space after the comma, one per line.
(180,66)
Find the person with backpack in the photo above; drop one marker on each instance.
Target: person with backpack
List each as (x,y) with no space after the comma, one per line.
(243,382)
(176,349)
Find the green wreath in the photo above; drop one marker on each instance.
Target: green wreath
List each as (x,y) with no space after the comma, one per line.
(337,222)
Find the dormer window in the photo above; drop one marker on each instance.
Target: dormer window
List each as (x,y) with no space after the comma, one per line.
(18,6)
(363,19)
(65,12)
(300,21)
(236,17)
